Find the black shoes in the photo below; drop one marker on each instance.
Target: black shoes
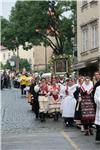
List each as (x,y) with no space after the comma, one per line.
(88,132)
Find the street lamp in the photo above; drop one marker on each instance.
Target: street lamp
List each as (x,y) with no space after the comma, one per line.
(15,42)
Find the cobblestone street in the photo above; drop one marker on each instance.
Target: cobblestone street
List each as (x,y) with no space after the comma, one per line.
(20,130)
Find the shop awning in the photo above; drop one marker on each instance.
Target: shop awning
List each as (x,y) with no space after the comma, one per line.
(79,65)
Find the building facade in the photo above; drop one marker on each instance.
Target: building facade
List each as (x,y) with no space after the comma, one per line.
(42,57)
(88,36)
(38,56)
(5,54)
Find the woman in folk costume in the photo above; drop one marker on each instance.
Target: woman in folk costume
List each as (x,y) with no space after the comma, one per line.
(54,103)
(87,106)
(97,118)
(43,99)
(69,103)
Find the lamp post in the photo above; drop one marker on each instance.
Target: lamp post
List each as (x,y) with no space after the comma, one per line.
(15,42)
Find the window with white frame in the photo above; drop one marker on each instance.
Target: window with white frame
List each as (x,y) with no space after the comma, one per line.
(94,33)
(84,39)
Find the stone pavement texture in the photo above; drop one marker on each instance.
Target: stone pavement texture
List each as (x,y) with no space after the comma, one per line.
(20,130)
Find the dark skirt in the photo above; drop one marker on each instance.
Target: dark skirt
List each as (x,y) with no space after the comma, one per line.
(78,114)
(87,110)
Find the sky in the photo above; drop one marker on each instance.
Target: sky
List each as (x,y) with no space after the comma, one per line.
(5,7)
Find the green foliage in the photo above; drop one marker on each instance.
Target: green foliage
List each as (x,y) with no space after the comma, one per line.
(23,63)
(6,66)
(26,16)
(7,34)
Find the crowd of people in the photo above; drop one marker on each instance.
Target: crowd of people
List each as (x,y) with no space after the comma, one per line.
(77,100)
(5,80)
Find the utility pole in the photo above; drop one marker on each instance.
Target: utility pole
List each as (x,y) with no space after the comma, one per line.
(17,60)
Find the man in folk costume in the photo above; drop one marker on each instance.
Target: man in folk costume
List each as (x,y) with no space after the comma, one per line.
(97,118)
(54,103)
(87,106)
(34,94)
(69,103)
(62,88)
(77,95)
(43,99)
(61,80)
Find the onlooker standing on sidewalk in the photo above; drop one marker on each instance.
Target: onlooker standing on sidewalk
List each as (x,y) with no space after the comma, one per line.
(97,83)
(97,119)
(97,78)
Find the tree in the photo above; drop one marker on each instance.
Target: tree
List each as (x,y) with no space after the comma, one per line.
(23,63)
(8,35)
(46,17)
(6,66)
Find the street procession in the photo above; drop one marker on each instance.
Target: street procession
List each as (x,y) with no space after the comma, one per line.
(75,100)
(50,75)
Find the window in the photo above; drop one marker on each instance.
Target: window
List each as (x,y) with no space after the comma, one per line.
(93,3)
(8,55)
(4,56)
(94,33)
(84,2)
(84,5)
(85,39)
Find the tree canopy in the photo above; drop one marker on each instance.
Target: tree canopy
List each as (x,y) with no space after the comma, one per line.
(28,16)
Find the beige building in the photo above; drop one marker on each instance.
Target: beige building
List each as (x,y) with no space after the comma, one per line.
(5,54)
(38,56)
(42,56)
(88,36)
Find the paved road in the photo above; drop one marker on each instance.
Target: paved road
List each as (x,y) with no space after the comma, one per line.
(20,130)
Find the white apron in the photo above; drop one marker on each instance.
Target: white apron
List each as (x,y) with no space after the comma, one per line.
(69,103)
